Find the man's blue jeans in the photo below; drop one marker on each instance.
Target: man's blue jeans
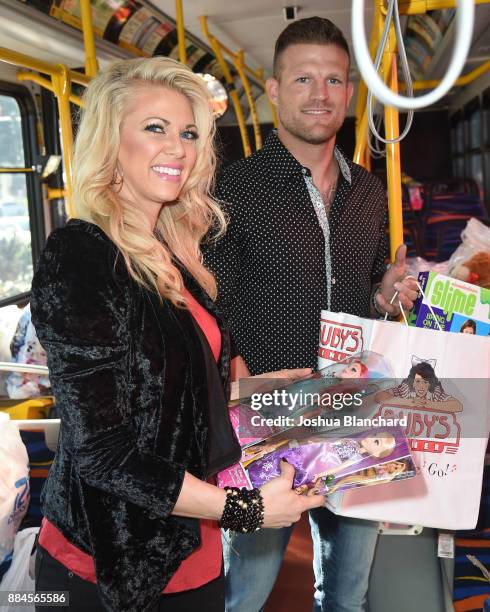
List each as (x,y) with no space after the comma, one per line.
(343,553)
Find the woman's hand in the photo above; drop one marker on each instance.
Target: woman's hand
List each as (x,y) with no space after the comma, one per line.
(290,375)
(269,381)
(282,505)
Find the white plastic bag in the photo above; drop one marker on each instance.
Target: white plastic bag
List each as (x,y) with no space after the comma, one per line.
(476,238)
(14,484)
(419,264)
(20,576)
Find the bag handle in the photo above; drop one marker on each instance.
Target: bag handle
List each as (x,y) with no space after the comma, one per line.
(423,295)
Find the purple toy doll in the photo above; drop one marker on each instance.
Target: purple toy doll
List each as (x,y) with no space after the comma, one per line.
(317,458)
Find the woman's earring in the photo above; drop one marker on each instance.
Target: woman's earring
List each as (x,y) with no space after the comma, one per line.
(117,179)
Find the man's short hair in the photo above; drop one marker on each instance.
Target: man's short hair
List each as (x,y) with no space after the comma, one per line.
(309,31)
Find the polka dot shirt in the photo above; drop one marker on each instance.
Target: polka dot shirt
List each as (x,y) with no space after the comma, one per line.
(271,264)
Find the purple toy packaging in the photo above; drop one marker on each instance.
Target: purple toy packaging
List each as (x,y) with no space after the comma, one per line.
(324,463)
(301,426)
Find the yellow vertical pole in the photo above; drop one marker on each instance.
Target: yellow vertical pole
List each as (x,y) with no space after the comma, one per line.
(62,87)
(180,31)
(91,65)
(362,89)
(231,85)
(393,167)
(362,154)
(239,65)
(367,162)
(360,107)
(46,84)
(361,140)
(247,150)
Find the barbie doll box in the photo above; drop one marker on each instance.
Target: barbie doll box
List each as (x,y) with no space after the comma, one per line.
(325,463)
(321,402)
(458,306)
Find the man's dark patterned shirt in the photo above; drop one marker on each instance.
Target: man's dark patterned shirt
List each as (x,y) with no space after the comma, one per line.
(271,264)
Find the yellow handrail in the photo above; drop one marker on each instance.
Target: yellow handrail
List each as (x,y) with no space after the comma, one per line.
(216,47)
(46,84)
(361,150)
(391,118)
(26,61)
(15,170)
(255,73)
(61,87)
(258,75)
(464,80)
(79,78)
(91,64)
(180,31)
(362,89)
(59,83)
(362,154)
(393,166)
(391,115)
(238,62)
(55,193)
(417,7)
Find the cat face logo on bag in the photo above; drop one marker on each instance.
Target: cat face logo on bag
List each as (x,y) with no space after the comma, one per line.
(338,341)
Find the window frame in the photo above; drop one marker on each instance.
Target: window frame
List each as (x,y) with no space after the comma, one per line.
(35,202)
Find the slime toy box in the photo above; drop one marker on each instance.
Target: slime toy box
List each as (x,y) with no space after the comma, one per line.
(458,306)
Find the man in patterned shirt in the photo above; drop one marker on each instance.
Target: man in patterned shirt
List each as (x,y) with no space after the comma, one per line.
(306,232)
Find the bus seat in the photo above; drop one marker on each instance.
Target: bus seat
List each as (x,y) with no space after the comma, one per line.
(33,408)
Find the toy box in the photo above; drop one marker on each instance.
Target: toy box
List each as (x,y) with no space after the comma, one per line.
(458,306)
(325,464)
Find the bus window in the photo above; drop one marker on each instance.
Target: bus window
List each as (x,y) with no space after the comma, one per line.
(16,176)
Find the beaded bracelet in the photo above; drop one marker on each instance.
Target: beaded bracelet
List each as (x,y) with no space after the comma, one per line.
(244,510)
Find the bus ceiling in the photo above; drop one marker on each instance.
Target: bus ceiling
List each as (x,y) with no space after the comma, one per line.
(233,41)
(252,26)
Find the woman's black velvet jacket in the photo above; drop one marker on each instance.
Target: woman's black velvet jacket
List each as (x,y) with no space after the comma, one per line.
(135,382)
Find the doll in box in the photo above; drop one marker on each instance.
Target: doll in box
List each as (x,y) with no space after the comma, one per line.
(355,369)
(370,476)
(318,457)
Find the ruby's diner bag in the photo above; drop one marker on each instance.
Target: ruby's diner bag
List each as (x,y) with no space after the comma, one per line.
(442,390)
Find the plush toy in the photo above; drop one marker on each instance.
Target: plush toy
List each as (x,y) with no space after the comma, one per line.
(475,270)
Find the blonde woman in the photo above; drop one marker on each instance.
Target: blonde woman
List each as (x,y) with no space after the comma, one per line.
(139,359)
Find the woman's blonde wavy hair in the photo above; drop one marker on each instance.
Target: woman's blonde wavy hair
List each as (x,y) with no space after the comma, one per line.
(181,224)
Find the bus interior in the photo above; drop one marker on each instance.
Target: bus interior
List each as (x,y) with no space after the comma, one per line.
(437,180)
